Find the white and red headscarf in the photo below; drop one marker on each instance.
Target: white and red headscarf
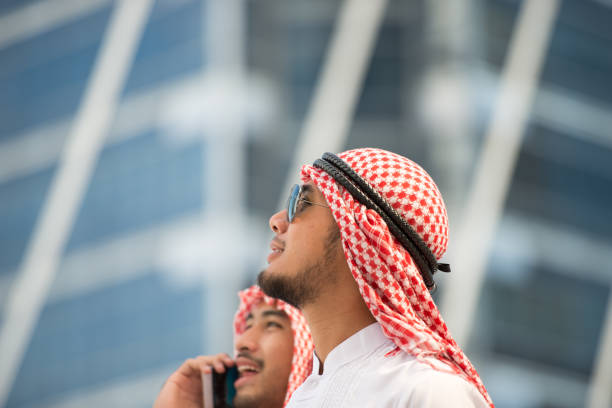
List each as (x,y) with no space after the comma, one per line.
(388,278)
(303,347)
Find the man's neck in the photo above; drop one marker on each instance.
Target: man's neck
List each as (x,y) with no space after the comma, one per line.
(334,317)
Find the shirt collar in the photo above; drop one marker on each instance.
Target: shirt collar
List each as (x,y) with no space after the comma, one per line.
(358,345)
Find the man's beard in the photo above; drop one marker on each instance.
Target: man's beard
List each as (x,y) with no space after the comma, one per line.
(304,288)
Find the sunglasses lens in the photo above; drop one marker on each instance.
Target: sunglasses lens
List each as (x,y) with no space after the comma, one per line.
(292,204)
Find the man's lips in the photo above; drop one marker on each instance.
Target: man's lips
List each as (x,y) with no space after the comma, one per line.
(277,247)
(247,369)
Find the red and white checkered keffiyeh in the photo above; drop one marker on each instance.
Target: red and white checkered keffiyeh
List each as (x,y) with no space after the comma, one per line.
(388,278)
(303,347)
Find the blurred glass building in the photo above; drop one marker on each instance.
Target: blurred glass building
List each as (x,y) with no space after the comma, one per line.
(206,129)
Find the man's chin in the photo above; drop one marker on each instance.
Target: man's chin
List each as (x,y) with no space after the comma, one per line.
(276,286)
(247,397)
(264,280)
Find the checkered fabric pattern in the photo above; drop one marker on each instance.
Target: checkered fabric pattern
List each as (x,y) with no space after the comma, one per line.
(303,347)
(388,279)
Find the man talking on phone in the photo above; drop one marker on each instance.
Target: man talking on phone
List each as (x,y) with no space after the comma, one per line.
(355,251)
(273,351)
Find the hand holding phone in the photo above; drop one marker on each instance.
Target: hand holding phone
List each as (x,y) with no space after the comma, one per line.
(184,388)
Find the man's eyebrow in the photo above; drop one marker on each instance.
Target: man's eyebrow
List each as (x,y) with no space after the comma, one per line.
(249,316)
(307,188)
(274,312)
(307,191)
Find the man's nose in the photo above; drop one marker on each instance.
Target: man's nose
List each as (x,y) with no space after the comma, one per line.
(279,222)
(247,341)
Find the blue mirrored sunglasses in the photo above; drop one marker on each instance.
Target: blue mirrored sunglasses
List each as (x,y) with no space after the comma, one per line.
(294,198)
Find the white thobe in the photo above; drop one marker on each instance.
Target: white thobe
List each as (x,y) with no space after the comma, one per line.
(358,374)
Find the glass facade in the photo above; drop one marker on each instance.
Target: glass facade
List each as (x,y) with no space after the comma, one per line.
(136,292)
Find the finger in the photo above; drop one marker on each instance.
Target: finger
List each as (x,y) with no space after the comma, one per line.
(228,361)
(219,362)
(224,358)
(189,367)
(219,366)
(211,359)
(208,363)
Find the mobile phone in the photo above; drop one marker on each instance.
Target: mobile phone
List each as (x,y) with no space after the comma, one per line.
(218,388)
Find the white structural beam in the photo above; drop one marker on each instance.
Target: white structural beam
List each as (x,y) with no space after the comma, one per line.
(41,16)
(224,157)
(486,197)
(445,96)
(600,389)
(52,230)
(337,90)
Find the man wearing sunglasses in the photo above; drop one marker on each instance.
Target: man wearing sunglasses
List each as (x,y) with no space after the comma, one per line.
(356,250)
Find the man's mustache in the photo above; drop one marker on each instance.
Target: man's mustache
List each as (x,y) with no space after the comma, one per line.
(249,356)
